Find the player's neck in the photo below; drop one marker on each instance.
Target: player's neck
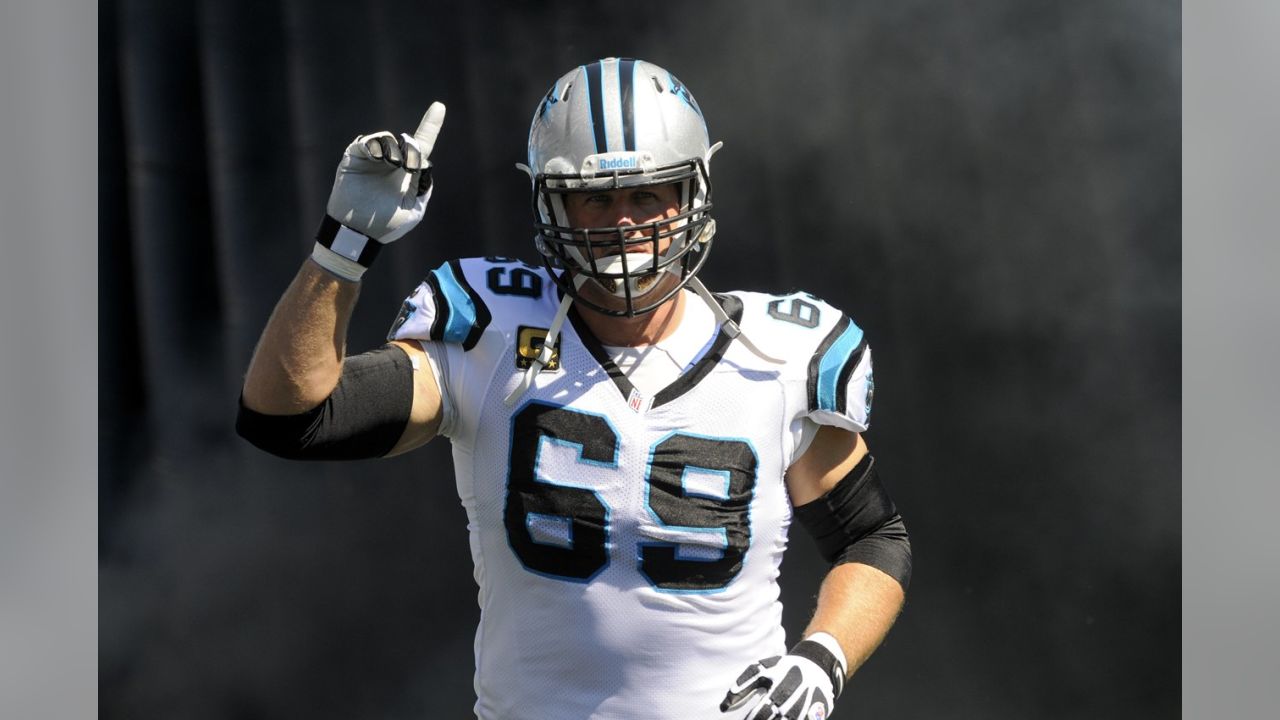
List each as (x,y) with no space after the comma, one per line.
(645,329)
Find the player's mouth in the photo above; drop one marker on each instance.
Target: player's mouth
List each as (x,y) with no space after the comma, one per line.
(642,284)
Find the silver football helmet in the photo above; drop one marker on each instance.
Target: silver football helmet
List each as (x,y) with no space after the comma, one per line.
(610,124)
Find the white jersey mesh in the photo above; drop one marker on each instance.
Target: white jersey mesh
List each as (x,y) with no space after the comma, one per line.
(626,546)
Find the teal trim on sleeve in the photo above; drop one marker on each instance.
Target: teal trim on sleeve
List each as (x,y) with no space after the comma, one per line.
(832,363)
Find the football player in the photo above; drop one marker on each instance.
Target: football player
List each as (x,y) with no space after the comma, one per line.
(630,447)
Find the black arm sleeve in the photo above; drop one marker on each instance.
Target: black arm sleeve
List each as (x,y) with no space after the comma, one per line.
(856,521)
(363,417)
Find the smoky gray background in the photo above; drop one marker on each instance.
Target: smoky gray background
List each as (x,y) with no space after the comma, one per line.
(991,189)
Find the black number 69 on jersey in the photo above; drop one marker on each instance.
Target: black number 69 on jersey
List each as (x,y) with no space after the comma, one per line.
(586,514)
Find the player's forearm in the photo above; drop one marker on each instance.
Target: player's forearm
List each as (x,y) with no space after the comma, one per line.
(857,605)
(299,357)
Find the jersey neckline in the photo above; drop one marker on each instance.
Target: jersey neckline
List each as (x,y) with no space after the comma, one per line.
(682,384)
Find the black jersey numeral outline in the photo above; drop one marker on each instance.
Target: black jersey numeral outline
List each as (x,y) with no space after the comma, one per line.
(514,281)
(669,499)
(799,312)
(585,553)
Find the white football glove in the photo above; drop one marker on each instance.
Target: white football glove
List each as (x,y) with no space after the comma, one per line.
(801,685)
(380,192)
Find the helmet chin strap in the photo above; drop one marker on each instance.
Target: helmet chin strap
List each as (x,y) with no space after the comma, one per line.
(544,355)
(730,327)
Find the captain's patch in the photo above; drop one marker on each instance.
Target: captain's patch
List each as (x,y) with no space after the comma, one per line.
(529,344)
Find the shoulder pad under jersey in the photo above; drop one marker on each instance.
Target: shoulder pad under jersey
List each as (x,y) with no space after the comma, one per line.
(459,300)
(821,342)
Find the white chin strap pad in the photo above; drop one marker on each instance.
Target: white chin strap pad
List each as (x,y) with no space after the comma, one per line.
(637,263)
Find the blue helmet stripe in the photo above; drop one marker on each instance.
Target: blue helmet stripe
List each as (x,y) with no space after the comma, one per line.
(595,97)
(831,366)
(626,92)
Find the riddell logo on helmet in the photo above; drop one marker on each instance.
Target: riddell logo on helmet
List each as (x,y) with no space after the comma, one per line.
(622,163)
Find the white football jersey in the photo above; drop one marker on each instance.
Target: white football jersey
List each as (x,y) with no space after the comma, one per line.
(626,546)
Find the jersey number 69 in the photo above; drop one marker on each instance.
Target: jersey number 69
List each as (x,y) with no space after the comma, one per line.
(586,516)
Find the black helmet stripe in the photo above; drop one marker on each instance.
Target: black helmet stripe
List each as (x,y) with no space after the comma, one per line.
(595,90)
(626,79)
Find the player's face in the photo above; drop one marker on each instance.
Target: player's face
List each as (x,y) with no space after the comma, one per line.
(621,208)
(626,206)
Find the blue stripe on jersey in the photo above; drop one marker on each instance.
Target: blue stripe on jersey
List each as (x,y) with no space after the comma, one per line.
(462,311)
(831,364)
(595,99)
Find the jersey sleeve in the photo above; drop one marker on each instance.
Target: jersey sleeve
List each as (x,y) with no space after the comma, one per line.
(444,308)
(467,315)
(828,361)
(840,384)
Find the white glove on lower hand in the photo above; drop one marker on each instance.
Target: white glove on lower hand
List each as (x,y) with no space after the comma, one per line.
(380,192)
(801,685)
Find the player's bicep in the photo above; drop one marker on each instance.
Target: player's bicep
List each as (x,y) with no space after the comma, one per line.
(837,495)
(828,459)
(427,411)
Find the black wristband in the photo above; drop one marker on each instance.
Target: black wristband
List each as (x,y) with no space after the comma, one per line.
(817,653)
(350,244)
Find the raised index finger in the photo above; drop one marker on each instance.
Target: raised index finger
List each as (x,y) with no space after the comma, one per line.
(429,128)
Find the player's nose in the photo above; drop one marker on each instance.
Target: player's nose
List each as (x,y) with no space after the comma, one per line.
(625,220)
(624,213)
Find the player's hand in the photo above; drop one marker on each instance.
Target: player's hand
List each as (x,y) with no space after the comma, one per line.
(383,182)
(380,192)
(801,685)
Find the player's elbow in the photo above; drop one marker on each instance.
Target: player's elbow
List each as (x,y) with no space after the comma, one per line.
(887,549)
(364,417)
(288,436)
